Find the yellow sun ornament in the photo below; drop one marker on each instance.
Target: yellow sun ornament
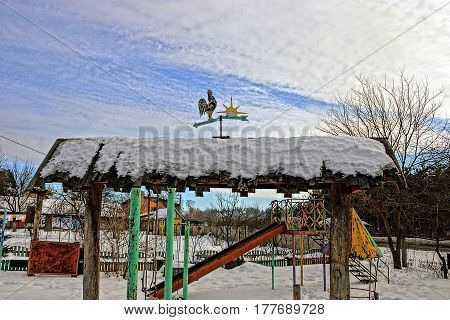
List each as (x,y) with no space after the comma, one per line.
(231,111)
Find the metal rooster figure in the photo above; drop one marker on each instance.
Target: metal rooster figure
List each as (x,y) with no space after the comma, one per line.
(231,113)
(209,107)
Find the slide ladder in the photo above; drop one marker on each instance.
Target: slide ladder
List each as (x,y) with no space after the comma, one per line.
(221,258)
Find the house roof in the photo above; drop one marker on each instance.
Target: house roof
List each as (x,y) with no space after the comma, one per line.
(289,165)
(162,214)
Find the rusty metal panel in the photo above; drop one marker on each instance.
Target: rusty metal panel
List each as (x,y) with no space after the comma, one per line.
(50,257)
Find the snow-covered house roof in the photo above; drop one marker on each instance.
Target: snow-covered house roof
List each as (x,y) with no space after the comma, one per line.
(243,164)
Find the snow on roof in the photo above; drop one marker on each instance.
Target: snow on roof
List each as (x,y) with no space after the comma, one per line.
(162,214)
(302,157)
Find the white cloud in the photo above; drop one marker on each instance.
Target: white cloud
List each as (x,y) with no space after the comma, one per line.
(47,91)
(292,44)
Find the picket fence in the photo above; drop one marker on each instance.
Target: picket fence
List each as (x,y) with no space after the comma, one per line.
(262,257)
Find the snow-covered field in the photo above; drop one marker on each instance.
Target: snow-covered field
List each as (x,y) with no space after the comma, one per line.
(249,281)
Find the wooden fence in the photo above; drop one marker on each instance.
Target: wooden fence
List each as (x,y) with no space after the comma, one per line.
(283,257)
(267,261)
(19,251)
(14,265)
(109,266)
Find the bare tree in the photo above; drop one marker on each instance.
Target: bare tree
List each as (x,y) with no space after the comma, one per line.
(405,112)
(16,196)
(115,229)
(196,244)
(4,174)
(2,159)
(230,214)
(68,204)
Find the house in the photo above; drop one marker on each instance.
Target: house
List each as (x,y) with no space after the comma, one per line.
(149,204)
(159,222)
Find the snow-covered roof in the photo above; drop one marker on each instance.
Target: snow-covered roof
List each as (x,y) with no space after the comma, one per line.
(305,158)
(162,214)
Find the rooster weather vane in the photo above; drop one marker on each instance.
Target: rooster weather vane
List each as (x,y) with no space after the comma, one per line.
(231,113)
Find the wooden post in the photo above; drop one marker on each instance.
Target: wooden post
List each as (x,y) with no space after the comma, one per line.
(340,242)
(37,214)
(2,239)
(324,263)
(297,292)
(301,259)
(187,229)
(91,272)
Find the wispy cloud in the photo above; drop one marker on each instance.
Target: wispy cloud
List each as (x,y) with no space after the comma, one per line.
(269,56)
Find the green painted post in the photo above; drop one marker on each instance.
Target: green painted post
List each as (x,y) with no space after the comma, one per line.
(133,242)
(187,231)
(273,257)
(169,244)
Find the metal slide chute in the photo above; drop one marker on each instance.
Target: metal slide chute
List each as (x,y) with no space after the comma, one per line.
(221,258)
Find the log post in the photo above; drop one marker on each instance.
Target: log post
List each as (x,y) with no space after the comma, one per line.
(2,239)
(341,230)
(187,230)
(301,259)
(297,292)
(91,272)
(37,214)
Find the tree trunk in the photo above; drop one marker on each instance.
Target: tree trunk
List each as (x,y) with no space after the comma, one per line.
(340,242)
(91,278)
(37,215)
(404,253)
(398,229)
(444,264)
(395,252)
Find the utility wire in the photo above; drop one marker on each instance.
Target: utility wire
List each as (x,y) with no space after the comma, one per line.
(88,59)
(22,145)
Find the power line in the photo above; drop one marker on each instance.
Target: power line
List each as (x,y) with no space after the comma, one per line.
(22,145)
(385,44)
(88,59)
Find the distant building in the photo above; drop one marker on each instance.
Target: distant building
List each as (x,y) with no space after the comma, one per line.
(148,213)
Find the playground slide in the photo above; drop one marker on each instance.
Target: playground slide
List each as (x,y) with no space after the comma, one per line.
(225,256)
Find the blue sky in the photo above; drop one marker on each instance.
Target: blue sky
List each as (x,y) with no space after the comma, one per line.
(83,68)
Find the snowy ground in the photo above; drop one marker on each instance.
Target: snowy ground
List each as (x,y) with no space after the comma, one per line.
(249,281)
